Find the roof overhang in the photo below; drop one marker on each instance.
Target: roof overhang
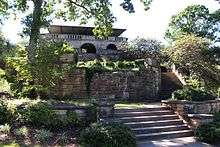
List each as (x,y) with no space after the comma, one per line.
(79,30)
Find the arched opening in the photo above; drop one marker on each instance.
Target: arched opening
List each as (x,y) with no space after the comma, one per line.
(88,48)
(111,47)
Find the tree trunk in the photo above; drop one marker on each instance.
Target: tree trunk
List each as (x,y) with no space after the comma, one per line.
(35,29)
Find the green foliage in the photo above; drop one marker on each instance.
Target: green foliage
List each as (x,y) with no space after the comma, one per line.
(43,68)
(6,114)
(5,128)
(39,115)
(190,53)
(31,79)
(150,46)
(4,85)
(72,119)
(127,5)
(108,135)
(195,19)
(207,133)
(43,135)
(92,113)
(192,94)
(63,139)
(3,9)
(22,132)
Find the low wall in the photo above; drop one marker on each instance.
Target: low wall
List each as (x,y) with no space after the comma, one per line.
(190,107)
(195,113)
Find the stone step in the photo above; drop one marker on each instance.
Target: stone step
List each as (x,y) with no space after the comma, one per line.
(154,123)
(158,129)
(141,109)
(164,135)
(148,113)
(147,118)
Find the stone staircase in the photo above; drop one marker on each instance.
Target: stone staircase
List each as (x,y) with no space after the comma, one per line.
(169,83)
(153,123)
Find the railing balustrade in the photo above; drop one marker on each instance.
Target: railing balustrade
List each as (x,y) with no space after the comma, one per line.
(80,37)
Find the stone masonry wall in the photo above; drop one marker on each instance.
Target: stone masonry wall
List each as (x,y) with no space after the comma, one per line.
(126,84)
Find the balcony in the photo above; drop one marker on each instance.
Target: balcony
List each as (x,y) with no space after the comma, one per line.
(80,37)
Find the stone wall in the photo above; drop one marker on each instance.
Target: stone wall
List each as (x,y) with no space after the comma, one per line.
(127,84)
(195,113)
(190,107)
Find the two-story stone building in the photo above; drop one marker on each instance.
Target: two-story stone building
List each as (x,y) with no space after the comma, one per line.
(81,38)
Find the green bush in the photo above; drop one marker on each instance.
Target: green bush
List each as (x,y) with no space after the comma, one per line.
(191,94)
(209,133)
(22,132)
(71,119)
(43,136)
(5,128)
(107,135)
(40,114)
(6,115)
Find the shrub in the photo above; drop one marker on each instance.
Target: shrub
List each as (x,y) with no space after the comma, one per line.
(22,132)
(107,135)
(43,136)
(208,133)
(40,114)
(72,119)
(191,94)
(6,115)
(5,128)
(63,139)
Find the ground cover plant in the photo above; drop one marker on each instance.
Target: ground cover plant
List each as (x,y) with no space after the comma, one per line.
(33,122)
(209,133)
(192,94)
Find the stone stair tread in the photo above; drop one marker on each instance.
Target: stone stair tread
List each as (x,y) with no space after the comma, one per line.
(141,112)
(142,109)
(151,116)
(159,127)
(156,121)
(163,133)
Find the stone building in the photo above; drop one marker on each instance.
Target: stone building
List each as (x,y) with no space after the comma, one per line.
(82,39)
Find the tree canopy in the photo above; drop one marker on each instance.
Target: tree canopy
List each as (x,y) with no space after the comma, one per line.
(151,46)
(191,53)
(3,9)
(197,20)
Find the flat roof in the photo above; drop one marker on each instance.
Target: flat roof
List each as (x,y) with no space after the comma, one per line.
(79,30)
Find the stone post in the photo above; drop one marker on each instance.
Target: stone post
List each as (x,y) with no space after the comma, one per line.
(105,108)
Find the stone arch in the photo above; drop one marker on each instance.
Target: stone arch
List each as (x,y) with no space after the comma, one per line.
(111,47)
(88,48)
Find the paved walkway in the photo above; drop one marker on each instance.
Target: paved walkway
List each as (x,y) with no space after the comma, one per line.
(177,142)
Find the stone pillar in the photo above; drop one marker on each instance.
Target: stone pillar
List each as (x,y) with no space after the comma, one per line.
(105,108)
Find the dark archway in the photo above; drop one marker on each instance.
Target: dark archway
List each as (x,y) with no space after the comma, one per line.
(111,47)
(88,48)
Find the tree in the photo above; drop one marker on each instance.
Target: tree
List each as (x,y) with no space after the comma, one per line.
(147,45)
(197,20)
(97,10)
(191,54)
(3,9)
